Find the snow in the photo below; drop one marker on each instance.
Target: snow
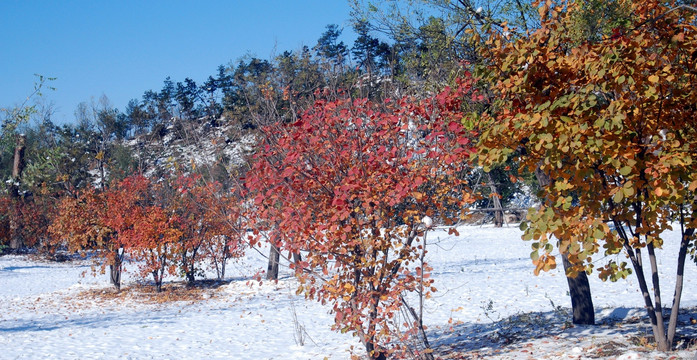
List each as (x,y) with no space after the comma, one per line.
(488,305)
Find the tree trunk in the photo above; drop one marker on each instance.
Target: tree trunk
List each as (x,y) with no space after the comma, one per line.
(368,336)
(190,278)
(297,257)
(115,276)
(498,213)
(115,269)
(16,241)
(579,288)
(673,322)
(580,293)
(18,165)
(274,259)
(374,353)
(223,260)
(190,268)
(643,285)
(661,336)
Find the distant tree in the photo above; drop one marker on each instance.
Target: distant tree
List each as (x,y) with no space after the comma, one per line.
(187,95)
(137,117)
(211,90)
(250,83)
(330,48)
(101,128)
(373,56)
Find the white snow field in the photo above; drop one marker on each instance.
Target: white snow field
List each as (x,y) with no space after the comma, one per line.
(488,305)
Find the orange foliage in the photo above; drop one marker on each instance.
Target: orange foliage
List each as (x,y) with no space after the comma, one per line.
(611,123)
(163,226)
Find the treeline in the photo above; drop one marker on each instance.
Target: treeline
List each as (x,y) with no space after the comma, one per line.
(104,144)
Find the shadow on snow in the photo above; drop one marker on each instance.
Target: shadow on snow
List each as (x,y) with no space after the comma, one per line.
(516,331)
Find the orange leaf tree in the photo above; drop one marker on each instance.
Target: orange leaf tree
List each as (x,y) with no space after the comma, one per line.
(611,123)
(188,199)
(225,232)
(211,223)
(168,226)
(92,222)
(154,242)
(348,184)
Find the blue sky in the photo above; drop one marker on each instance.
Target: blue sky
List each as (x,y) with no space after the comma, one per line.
(123,48)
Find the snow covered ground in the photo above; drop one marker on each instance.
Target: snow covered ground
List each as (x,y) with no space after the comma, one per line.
(488,305)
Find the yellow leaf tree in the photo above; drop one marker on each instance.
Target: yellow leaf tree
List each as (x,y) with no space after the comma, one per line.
(611,123)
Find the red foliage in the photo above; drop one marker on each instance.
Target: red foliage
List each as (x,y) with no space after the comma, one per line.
(348,184)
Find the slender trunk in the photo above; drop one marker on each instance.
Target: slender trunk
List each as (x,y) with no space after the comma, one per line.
(115,276)
(158,281)
(422,332)
(274,259)
(221,275)
(580,293)
(639,270)
(374,351)
(420,317)
(115,270)
(297,257)
(673,322)
(498,213)
(190,271)
(661,339)
(223,260)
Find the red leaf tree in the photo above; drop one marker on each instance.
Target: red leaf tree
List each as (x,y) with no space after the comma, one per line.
(349,184)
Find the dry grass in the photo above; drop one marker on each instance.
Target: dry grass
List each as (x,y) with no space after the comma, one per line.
(147,294)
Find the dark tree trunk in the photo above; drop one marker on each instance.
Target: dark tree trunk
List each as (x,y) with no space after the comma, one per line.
(579,288)
(220,268)
(190,278)
(190,266)
(274,259)
(375,354)
(115,276)
(223,260)
(581,300)
(115,270)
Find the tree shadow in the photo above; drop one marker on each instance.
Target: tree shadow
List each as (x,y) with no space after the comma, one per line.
(24,268)
(94,321)
(486,339)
